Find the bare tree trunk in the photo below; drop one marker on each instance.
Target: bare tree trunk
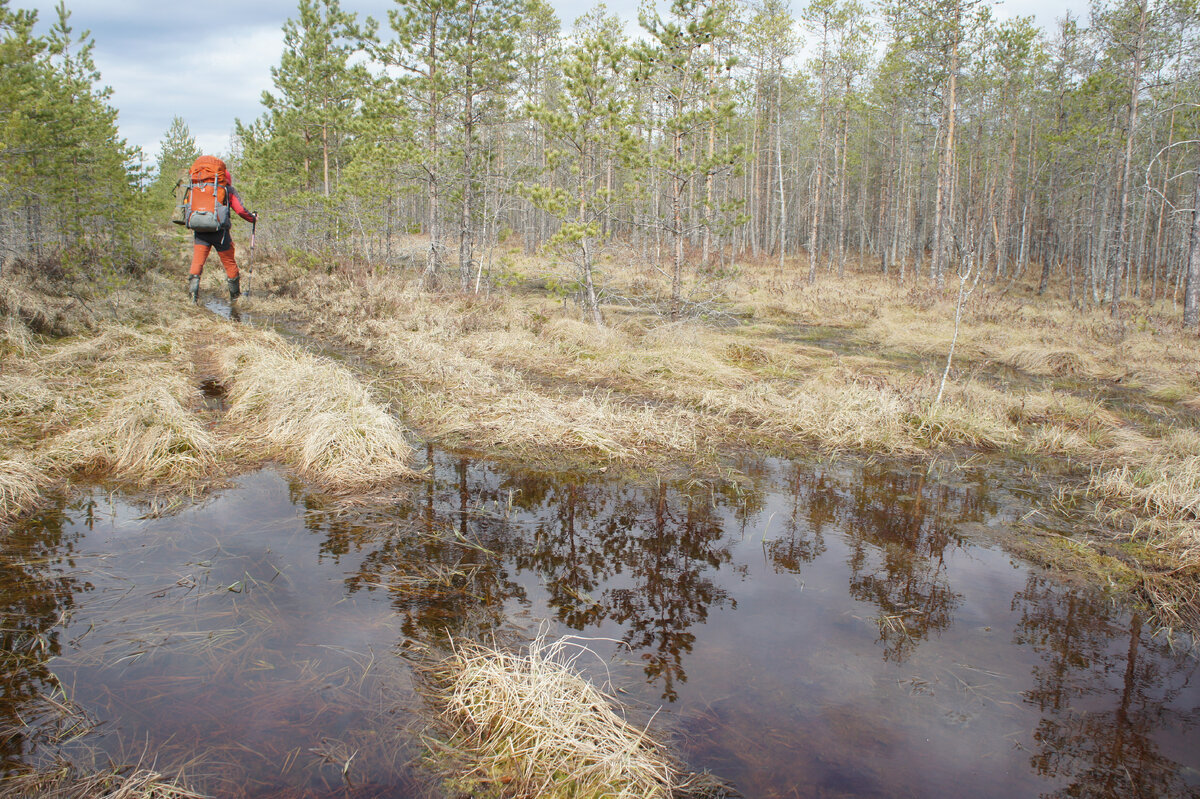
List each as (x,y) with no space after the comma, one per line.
(753,176)
(1191,294)
(942,207)
(1002,247)
(814,227)
(841,215)
(432,259)
(779,167)
(1135,91)
(466,219)
(325,157)
(706,248)
(677,187)
(588,286)
(1162,203)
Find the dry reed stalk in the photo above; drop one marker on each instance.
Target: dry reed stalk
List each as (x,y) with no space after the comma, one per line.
(527,724)
(313,414)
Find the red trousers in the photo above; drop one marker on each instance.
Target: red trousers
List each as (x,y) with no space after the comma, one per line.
(200,253)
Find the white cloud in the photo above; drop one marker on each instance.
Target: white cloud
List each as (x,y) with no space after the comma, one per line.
(214,80)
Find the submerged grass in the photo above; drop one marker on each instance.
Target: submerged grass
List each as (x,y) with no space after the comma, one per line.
(528,724)
(65,782)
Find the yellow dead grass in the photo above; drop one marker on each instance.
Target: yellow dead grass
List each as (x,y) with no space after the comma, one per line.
(1163,487)
(28,397)
(313,414)
(146,434)
(527,721)
(113,404)
(20,483)
(494,370)
(125,404)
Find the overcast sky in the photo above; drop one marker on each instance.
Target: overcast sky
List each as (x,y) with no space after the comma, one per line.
(210,62)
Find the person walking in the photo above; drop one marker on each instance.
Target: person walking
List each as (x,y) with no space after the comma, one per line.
(211,180)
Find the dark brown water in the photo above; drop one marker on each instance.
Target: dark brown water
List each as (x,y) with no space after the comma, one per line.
(815,631)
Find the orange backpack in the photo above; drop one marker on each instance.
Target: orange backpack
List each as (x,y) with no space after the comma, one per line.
(207,198)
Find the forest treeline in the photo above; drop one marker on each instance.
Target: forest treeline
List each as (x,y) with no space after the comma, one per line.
(925,138)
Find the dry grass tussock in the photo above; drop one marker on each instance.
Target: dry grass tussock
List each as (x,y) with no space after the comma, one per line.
(118,404)
(527,724)
(40,311)
(144,433)
(1159,502)
(1164,488)
(20,484)
(313,414)
(65,782)
(463,393)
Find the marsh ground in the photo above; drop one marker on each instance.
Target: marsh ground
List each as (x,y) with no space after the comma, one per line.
(350,380)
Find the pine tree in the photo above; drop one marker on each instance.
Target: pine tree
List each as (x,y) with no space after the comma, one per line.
(679,63)
(317,89)
(588,126)
(176,153)
(457,57)
(68,175)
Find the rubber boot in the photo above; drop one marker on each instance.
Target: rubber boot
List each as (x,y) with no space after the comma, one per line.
(194,288)
(235,287)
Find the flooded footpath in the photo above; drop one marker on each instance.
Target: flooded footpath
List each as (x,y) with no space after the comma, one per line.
(817,630)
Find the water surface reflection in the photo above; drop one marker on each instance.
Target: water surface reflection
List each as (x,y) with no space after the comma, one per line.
(812,630)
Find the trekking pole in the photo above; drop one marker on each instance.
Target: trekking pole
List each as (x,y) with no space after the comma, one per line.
(250,258)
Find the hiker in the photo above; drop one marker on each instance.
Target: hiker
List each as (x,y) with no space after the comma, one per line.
(211,196)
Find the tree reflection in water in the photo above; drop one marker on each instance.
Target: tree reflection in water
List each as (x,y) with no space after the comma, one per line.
(1107,690)
(898,527)
(653,561)
(444,559)
(639,557)
(1105,704)
(37,593)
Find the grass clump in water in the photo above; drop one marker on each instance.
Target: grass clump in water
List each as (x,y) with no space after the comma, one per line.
(527,724)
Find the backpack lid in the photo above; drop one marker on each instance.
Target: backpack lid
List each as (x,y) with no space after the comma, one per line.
(208,168)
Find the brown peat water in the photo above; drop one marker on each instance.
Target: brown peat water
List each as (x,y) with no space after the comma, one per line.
(816,630)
